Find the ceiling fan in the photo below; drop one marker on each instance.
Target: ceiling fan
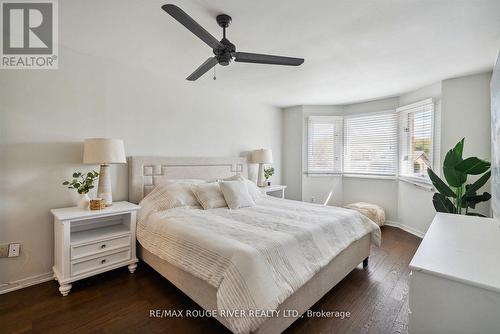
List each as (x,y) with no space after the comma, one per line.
(224,50)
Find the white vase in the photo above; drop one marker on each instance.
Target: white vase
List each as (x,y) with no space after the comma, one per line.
(83,201)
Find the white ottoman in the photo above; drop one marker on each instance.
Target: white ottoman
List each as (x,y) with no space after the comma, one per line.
(372,211)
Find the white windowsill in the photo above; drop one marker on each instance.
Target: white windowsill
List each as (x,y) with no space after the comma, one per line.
(358,176)
(421,183)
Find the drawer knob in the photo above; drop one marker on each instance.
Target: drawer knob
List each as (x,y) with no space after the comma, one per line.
(103,246)
(103,261)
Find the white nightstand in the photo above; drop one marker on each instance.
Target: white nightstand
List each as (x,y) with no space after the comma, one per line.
(277,190)
(89,242)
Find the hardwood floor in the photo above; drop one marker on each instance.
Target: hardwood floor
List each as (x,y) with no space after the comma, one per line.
(119,302)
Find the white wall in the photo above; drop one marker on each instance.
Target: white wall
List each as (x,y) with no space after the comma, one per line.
(292,152)
(466,113)
(45,115)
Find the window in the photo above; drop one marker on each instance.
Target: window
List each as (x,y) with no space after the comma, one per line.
(370,144)
(324,147)
(416,138)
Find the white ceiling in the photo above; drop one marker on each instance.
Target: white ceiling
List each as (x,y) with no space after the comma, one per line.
(353,50)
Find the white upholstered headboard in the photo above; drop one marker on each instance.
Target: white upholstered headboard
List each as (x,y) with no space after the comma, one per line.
(147,172)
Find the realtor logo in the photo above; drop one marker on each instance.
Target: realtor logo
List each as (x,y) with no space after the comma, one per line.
(29,34)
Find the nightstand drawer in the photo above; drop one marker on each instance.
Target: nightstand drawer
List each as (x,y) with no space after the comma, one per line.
(100,262)
(99,246)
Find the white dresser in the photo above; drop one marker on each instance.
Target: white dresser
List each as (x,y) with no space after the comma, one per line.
(89,242)
(455,277)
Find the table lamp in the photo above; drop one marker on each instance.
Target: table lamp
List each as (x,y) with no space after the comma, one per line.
(262,156)
(104,151)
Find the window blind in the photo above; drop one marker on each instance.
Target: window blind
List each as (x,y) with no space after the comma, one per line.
(324,145)
(416,138)
(370,144)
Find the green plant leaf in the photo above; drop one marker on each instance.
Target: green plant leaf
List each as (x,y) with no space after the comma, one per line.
(474,187)
(75,174)
(454,177)
(442,203)
(465,204)
(475,214)
(472,200)
(459,148)
(65,183)
(440,185)
(76,185)
(473,166)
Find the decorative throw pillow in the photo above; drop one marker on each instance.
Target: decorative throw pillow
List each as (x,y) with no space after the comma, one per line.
(236,194)
(209,195)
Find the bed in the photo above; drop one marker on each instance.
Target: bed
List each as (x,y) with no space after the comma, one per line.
(214,256)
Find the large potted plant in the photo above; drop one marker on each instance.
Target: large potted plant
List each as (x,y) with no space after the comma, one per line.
(454,195)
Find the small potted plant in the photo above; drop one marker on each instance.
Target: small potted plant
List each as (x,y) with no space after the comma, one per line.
(82,183)
(268,172)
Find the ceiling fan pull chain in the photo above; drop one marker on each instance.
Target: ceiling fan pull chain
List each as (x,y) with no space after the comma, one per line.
(215,78)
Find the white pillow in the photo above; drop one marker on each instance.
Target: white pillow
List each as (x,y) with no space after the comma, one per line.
(209,195)
(236,194)
(169,195)
(253,189)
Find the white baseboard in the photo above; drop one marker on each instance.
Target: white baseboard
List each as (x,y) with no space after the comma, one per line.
(405,228)
(25,282)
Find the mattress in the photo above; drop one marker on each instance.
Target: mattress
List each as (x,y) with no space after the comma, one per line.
(254,257)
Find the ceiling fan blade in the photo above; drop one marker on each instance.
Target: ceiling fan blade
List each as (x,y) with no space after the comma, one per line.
(257,58)
(206,66)
(193,26)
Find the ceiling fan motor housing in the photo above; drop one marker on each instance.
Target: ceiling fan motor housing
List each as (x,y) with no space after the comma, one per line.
(225,54)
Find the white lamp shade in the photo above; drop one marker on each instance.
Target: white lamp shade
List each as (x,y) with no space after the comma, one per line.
(262,156)
(103,151)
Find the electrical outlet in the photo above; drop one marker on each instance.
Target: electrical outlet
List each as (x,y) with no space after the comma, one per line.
(4,250)
(14,249)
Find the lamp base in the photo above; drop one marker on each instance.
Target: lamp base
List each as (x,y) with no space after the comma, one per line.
(261,182)
(104,186)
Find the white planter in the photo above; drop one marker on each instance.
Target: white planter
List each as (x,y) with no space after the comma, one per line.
(83,202)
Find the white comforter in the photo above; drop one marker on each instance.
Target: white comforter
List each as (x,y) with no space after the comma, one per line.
(256,257)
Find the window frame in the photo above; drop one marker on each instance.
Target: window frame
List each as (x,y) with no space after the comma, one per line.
(403,113)
(394,175)
(336,121)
